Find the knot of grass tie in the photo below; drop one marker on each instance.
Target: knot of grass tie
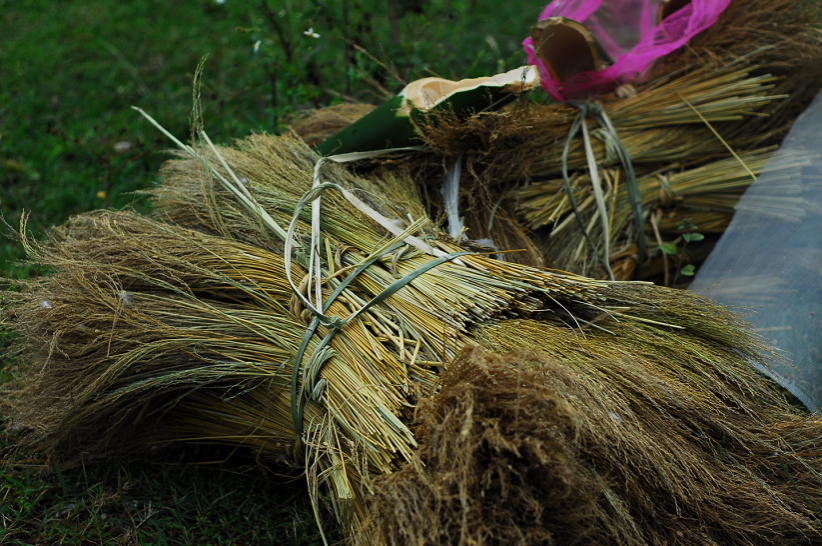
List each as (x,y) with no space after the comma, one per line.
(310,386)
(597,112)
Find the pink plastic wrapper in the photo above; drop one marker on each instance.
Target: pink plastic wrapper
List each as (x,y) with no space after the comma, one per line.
(627,31)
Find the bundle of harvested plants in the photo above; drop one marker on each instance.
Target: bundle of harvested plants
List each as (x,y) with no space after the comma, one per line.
(517,161)
(213,322)
(735,89)
(537,447)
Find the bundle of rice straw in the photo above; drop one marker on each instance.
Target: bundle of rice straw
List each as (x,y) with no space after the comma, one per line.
(571,409)
(735,89)
(664,130)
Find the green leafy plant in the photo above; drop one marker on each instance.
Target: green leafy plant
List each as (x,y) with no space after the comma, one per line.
(181,496)
(677,247)
(689,235)
(112,152)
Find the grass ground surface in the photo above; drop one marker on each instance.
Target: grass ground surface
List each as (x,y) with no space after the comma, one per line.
(178,498)
(69,72)
(69,142)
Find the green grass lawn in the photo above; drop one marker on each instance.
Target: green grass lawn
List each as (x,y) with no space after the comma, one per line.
(69,142)
(182,497)
(70,71)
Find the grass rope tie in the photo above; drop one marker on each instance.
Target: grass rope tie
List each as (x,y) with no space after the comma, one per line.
(597,112)
(322,352)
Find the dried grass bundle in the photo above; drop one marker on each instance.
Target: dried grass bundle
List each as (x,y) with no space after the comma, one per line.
(748,76)
(140,313)
(781,51)
(663,129)
(577,444)
(705,195)
(187,328)
(782,38)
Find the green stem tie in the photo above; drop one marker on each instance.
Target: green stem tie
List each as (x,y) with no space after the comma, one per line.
(589,109)
(333,324)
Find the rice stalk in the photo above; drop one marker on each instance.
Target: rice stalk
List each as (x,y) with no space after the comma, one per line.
(749,76)
(706,194)
(656,124)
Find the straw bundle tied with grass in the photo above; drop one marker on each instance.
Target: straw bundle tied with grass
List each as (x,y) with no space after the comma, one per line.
(634,417)
(734,90)
(276,300)
(706,195)
(685,122)
(665,127)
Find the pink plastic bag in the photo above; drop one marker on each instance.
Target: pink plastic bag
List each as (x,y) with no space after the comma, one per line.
(628,31)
